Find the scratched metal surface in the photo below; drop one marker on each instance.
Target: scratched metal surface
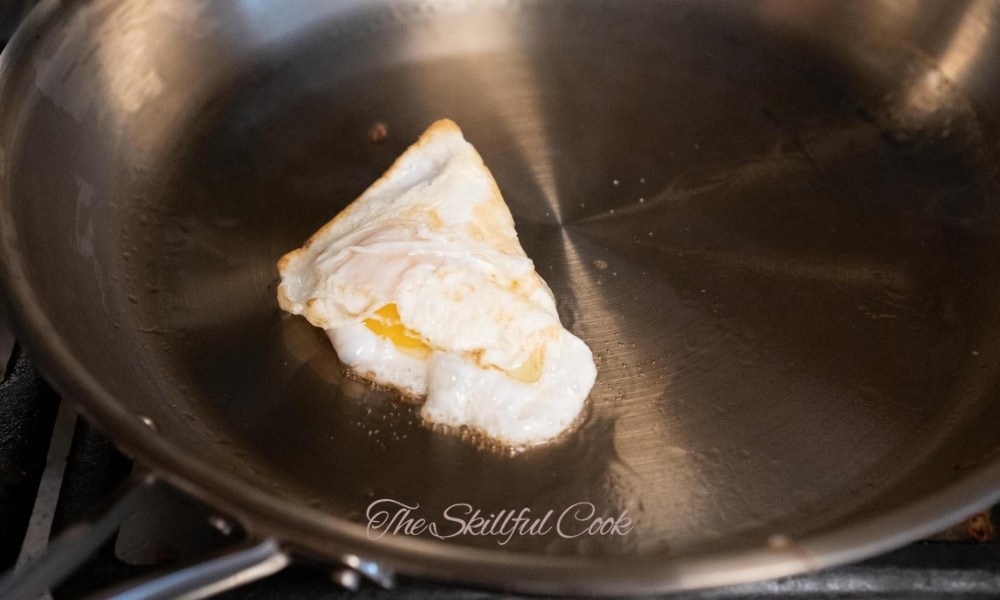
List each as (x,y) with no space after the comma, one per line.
(776,225)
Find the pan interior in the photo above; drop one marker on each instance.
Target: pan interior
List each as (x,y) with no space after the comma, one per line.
(784,263)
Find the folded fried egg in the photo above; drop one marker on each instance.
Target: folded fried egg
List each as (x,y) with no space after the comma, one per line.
(422,286)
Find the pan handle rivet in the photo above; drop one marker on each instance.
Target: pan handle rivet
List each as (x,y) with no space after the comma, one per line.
(346,578)
(148,422)
(380,575)
(221,524)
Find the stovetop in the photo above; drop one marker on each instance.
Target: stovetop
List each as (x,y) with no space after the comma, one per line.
(56,469)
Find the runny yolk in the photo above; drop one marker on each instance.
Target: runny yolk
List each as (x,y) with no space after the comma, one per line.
(388,325)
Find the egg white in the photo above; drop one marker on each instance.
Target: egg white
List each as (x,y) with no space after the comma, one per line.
(434,239)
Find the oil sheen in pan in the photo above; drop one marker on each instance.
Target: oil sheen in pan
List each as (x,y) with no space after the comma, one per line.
(807,305)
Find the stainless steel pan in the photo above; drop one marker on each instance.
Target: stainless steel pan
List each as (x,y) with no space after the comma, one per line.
(775,222)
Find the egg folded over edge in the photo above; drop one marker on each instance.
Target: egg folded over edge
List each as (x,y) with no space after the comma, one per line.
(422,285)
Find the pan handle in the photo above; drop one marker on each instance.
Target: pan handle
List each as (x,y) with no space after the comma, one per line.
(208,578)
(79,542)
(249,563)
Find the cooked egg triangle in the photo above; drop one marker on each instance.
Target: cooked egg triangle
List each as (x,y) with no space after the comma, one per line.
(422,285)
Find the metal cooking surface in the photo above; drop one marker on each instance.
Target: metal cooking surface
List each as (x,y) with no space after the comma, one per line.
(783,256)
(777,309)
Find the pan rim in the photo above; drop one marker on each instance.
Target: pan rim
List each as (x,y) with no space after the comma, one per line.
(313,532)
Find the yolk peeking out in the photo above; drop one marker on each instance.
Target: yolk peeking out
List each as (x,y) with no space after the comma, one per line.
(388,324)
